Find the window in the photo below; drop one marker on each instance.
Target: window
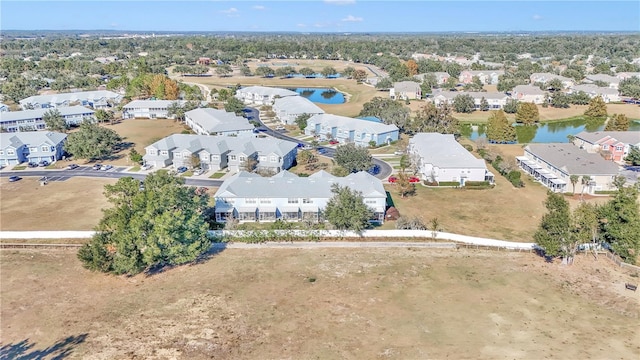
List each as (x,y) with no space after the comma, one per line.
(177,155)
(619,148)
(1,152)
(45,148)
(307,201)
(33,149)
(369,201)
(11,152)
(274,159)
(243,158)
(152,152)
(215,157)
(232,157)
(265,201)
(263,158)
(604,147)
(292,201)
(164,152)
(250,201)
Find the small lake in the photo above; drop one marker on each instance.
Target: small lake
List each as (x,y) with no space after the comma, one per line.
(550,132)
(321,95)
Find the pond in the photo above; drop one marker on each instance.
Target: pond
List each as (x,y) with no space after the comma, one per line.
(321,95)
(550,132)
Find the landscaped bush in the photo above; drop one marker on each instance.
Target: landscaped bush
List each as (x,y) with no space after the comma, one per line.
(478,185)
(600,192)
(514,177)
(468,147)
(448,183)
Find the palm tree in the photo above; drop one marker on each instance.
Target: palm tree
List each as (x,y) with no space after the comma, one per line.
(574,180)
(586,179)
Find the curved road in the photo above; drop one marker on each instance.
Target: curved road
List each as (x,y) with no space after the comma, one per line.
(385,168)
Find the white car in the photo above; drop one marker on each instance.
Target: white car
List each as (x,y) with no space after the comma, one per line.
(198,172)
(106,167)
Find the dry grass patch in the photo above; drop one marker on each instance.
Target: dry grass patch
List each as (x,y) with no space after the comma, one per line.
(74,204)
(363,304)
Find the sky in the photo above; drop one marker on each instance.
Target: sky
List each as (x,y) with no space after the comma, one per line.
(308,16)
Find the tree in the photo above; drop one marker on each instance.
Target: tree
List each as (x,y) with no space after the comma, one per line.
(463,103)
(305,157)
(346,210)
(618,122)
(597,108)
(234,105)
(630,87)
(484,104)
(103,115)
(328,71)
(634,156)
(223,70)
(264,71)
(245,70)
(499,128)
(353,158)
(554,234)
(527,113)
(511,107)
(359,75)
(552,85)
(348,72)
(301,120)
(135,156)
(91,141)
(384,83)
(249,164)
(391,112)
(412,66)
(620,221)
(306,71)
(54,121)
(574,180)
(559,100)
(429,82)
(404,186)
(586,224)
(579,98)
(160,225)
(285,71)
(432,118)
(193,162)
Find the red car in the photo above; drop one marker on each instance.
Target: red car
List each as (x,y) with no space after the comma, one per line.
(414,179)
(333,141)
(392,179)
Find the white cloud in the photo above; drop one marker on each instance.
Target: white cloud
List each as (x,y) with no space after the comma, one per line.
(352,18)
(340,2)
(229,11)
(537,17)
(301,25)
(258,7)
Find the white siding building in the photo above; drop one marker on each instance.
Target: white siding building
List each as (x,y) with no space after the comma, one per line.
(149,109)
(262,95)
(345,129)
(290,107)
(99,99)
(207,121)
(29,120)
(440,158)
(250,197)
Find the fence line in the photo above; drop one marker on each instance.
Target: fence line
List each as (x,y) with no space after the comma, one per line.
(618,261)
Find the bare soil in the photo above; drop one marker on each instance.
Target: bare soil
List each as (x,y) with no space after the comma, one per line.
(327,304)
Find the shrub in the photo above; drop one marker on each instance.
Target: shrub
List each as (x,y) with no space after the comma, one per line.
(448,183)
(468,147)
(514,177)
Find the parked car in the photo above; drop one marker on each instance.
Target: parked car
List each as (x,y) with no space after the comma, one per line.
(14,178)
(322,151)
(141,185)
(198,171)
(398,153)
(72,166)
(44,163)
(106,167)
(97,166)
(414,179)
(181,169)
(279,128)
(392,179)
(374,170)
(334,142)
(33,164)
(146,166)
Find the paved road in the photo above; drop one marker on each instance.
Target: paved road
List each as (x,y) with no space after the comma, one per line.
(385,168)
(334,244)
(86,171)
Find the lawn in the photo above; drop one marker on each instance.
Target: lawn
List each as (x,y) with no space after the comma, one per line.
(362,304)
(217,175)
(74,204)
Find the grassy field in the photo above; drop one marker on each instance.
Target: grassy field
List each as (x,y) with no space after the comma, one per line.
(362,304)
(71,205)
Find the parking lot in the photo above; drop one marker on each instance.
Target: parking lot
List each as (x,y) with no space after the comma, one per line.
(82,169)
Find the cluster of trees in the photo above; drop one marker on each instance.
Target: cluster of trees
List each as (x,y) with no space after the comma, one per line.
(353,158)
(92,141)
(160,224)
(630,87)
(499,128)
(617,223)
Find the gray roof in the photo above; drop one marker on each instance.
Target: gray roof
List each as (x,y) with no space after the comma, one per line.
(443,151)
(604,77)
(544,77)
(33,138)
(528,90)
(627,137)
(38,113)
(450,95)
(297,105)
(594,89)
(152,104)
(268,91)
(348,123)
(284,185)
(213,120)
(406,86)
(573,160)
(72,96)
(222,144)
(484,72)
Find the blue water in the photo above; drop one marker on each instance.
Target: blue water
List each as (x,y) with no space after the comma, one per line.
(321,95)
(316,75)
(371,118)
(554,132)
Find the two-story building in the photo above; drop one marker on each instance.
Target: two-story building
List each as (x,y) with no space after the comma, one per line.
(288,108)
(262,95)
(286,196)
(30,120)
(220,152)
(345,129)
(98,99)
(495,100)
(546,77)
(553,164)
(440,158)
(405,90)
(33,146)
(208,121)
(528,93)
(151,109)
(606,93)
(612,81)
(486,77)
(4,107)
(612,145)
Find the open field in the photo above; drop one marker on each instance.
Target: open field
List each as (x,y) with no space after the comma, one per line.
(361,304)
(74,204)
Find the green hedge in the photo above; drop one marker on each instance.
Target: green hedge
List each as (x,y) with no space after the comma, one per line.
(448,183)
(606,192)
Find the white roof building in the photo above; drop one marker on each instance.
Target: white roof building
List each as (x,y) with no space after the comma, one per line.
(26,120)
(262,95)
(208,121)
(95,99)
(289,108)
(345,129)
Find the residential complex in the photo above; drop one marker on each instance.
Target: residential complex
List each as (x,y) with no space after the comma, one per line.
(262,95)
(251,197)
(29,120)
(345,129)
(208,121)
(612,145)
(150,109)
(405,90)
(440,158)
(486,77)
(495,100)
(288,108)
(98,99)
(553,164)
(32,146)
(220,152)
